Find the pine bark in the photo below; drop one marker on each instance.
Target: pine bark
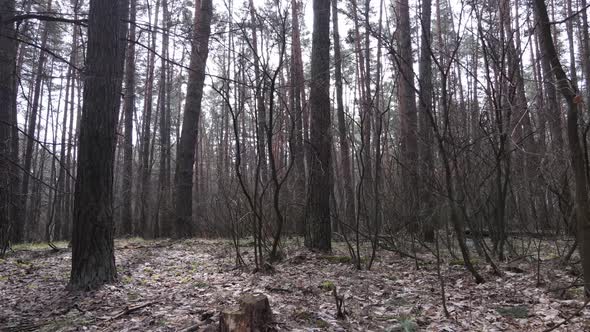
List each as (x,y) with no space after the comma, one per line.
(7,102)
(67,204)
(349,206)
(575,106)
(552,109)
(297,100)
(32,124)
(144,220)
(586,49)
(260,106)
(93,259)
(128,110)
(59,196)
(164,174)
(408,114)
(190,125)
(425,115)
(318,230)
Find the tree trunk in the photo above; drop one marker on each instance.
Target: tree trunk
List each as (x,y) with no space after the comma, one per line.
(7,103)
(407,105)
(552,108)
(36,192)
(586,50)
(425,133)
(297,145)
(128,110)
(144,220)
(164,175)
(93,259)
(575,105)
(259,91)
(67,205)
(59,196)
(190,125)
(349,209)
(367,127)
(318,230)
(32,124)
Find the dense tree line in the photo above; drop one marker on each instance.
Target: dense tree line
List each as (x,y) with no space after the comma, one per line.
(392,125)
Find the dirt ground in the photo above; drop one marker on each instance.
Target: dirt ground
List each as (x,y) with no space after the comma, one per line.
(170,286)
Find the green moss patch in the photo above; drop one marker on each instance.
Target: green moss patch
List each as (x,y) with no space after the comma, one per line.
(327,286)
(520,311)
(310,318)
(37,246)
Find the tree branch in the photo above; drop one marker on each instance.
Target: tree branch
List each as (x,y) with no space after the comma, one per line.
(48,18)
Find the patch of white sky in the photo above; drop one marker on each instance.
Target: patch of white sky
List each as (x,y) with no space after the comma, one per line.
(464,19)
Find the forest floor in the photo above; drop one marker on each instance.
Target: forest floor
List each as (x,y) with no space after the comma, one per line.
(169,286)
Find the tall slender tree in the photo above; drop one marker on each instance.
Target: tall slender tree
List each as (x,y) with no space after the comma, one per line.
(318,230)
(32,124)
(7,100)
(164,174)
(145,160)
(93,259)
(349,209)
(190,124)
(575,106)
(297,103)
(259,92)
(425,135)
(128,110)
(407,110)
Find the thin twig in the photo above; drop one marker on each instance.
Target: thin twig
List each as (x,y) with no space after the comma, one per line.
(569,317)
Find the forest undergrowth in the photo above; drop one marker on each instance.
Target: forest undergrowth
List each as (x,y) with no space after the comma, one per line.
(183,285)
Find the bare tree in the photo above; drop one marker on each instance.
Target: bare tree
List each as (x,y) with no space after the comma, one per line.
(575,105)
(408,114)
(165,226)
(349,206)
(297,105)
(128,110)
(145,155)
(32,124)
(426,167)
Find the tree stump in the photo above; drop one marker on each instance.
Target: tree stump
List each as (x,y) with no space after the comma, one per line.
(253,315)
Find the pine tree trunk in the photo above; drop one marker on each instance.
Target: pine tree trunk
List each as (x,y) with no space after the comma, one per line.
(93,259)
(575,105)
(318,231)
(128,110)
(144,219)
(408,115)
(349,206)
(7,103)
(32,124)
(190,125)
(164,174)
(367,128)
(551,102)
(425,115)
(67,204)
(58,213)
(260,106)
(586,50)
(298,152)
